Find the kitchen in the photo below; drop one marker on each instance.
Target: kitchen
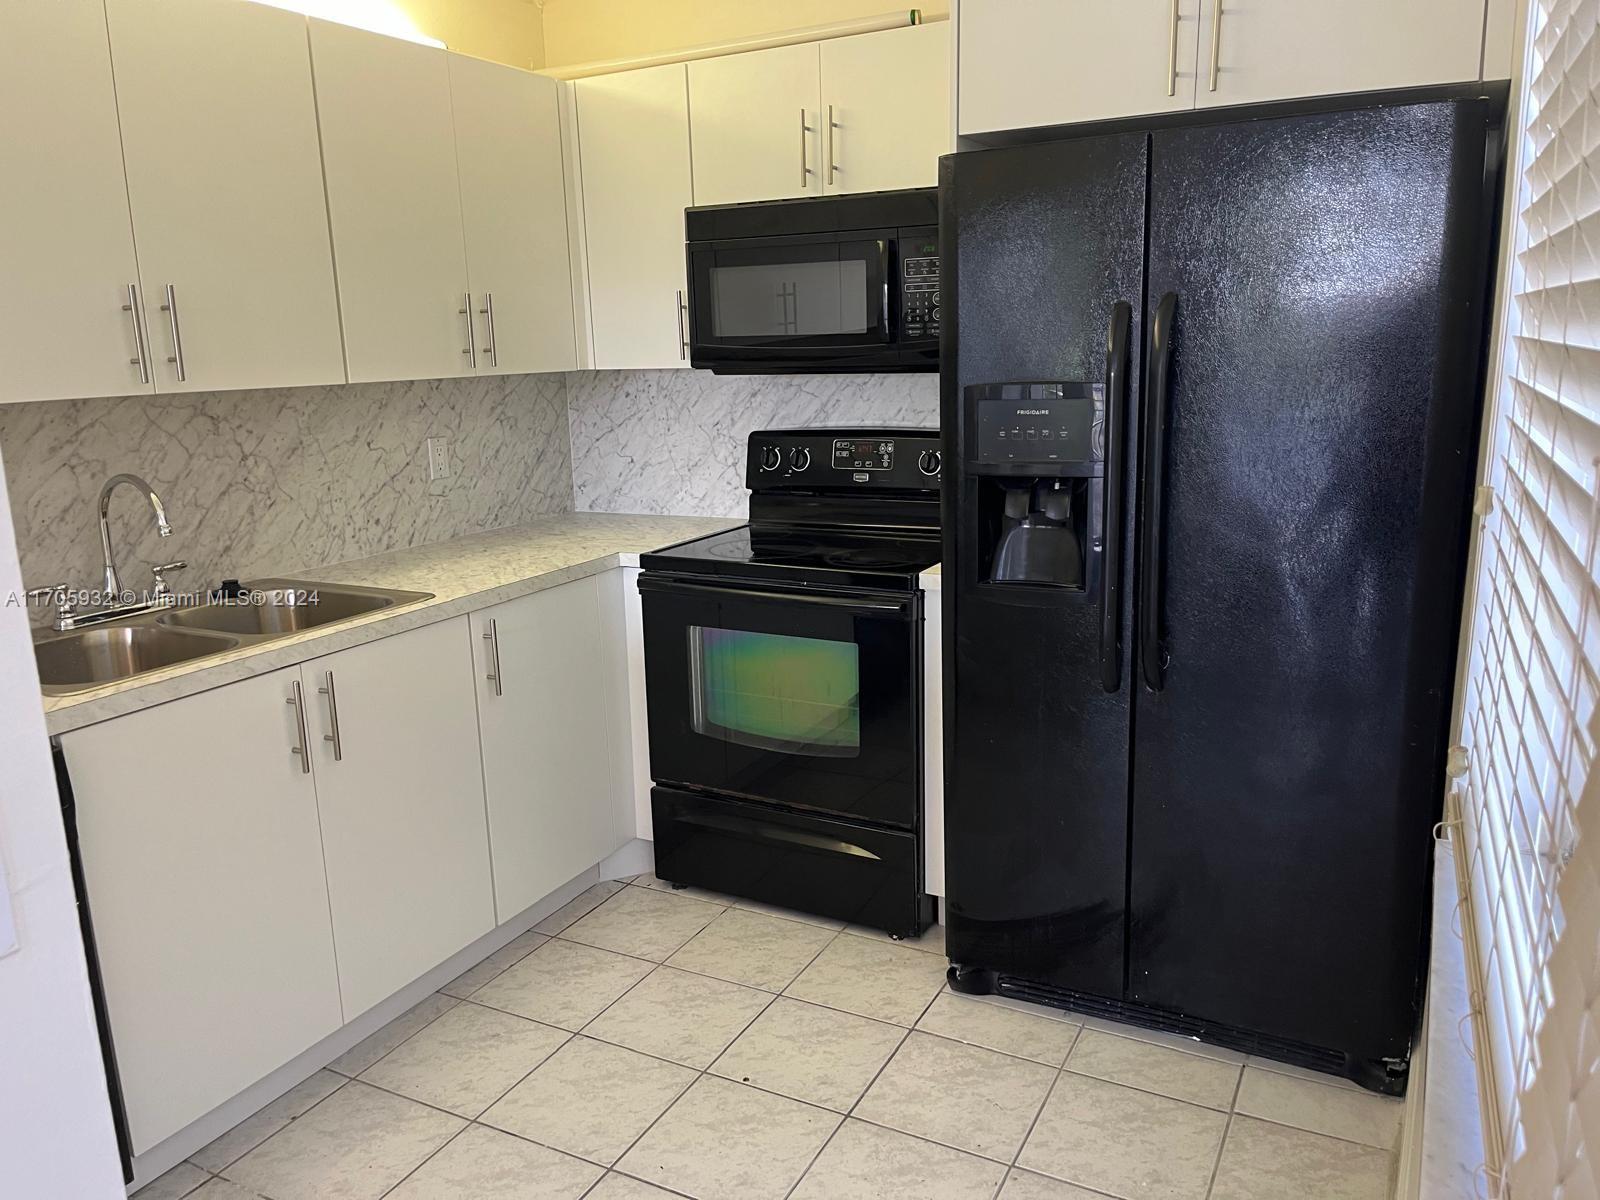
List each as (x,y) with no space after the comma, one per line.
(622,600)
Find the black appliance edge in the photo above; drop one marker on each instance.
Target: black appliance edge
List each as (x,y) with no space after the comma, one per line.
(1374,1076)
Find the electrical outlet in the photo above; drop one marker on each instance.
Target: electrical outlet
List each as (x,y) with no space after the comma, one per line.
(438,458)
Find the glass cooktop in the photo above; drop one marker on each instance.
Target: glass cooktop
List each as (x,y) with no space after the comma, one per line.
(881,560)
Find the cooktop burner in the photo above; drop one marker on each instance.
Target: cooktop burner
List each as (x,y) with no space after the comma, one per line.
(825,555)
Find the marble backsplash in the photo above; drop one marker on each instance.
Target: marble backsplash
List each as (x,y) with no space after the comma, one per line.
(280,481)
(674,441)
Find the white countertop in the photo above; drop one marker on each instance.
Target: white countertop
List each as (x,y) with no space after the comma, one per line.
(464,574)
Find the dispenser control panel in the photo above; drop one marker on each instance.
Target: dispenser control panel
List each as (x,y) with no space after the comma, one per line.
(1044,424)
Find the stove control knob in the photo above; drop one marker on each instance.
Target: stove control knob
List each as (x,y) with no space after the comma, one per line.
(769,458)
(799,458)
(929,463)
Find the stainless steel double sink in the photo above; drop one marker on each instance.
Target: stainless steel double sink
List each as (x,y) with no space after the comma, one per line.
(269,609)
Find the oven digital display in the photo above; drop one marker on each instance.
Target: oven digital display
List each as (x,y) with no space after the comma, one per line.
(864,454)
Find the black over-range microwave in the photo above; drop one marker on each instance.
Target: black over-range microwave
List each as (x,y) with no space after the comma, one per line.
(832,283)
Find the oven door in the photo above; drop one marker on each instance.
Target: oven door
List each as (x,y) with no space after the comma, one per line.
(810,699)
(814,297)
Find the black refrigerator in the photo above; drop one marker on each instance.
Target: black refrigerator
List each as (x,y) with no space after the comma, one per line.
(1210,400)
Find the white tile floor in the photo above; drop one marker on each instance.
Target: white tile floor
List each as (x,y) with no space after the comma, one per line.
(648,1043)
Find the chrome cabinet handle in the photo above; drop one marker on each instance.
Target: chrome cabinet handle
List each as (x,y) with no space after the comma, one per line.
(683,329)
(1216,42)
(141,353)
(492,347)
(171,309)
(833,165)
(333,719)
(805,165)
(471,349)
(1172,53)
(298,703)
(492,636)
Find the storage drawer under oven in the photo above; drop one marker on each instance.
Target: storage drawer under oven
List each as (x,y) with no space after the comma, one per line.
(833,868)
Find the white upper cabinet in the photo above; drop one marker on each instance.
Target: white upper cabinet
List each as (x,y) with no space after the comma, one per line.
(633,133)
(545,712)
(513,201)
(66,246)
(887,96)
(394,735)
(1289,48)
(754,124)
(1048,62)
(1026,63)
(394,199)
(202,858)
(219,132)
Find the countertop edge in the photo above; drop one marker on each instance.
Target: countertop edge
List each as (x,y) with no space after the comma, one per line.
(63,714)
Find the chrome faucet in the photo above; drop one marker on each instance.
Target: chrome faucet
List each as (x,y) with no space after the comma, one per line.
(113,583)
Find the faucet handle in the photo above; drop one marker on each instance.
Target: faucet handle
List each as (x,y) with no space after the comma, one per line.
(61,593)
(163,588)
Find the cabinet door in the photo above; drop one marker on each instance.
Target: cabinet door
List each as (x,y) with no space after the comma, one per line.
(886,108)
(219,126)
(203,868)
(394,199)
(1295,48)
(633,134)
(1044,62)
(513,201)
(547,756)
(753,123)
(400,786)
(66,249)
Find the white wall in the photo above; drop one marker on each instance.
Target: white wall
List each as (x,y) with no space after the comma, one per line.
(56,1140)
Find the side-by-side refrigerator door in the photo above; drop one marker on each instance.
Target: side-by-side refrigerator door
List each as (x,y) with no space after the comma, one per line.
(1315,299)
(1042,252)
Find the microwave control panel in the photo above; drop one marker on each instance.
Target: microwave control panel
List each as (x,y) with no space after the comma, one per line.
(919,287)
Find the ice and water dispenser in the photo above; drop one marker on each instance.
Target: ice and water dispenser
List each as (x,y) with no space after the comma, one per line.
(1038,463)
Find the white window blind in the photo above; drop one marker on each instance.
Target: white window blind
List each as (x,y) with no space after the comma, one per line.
(1528,712)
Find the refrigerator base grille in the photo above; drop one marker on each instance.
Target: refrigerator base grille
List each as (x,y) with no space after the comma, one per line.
(1383,1076)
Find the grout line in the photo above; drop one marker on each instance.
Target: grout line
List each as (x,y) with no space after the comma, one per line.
(438,1149)
(1222,1144)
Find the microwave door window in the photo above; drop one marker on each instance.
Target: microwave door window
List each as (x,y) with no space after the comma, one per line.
(793,695)
(776,301)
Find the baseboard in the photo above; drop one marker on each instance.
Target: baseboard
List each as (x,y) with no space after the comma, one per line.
(161,1158)
(637,857)
(1408,1158)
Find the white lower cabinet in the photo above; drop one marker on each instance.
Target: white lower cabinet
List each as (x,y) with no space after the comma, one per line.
(203,863)
(545,711)
(267,860)
(394,738)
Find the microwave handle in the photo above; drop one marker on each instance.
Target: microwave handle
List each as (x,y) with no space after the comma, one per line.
(883,273)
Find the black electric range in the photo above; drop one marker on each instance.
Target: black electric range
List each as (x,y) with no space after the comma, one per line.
(783,663)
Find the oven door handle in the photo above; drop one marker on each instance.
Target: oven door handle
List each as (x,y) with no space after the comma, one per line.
(774,833)
(862,605)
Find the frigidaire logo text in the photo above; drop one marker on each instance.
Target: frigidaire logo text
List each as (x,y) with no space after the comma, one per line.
(1033,412)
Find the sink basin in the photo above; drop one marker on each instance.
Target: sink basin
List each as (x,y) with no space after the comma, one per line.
(274,607)
(89,658)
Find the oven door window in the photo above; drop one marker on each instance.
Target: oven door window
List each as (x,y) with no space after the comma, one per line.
(794,695)
(809,699)
(785,293)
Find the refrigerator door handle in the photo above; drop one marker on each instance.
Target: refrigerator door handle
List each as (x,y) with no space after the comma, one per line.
(1111,534)
(1152,662)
